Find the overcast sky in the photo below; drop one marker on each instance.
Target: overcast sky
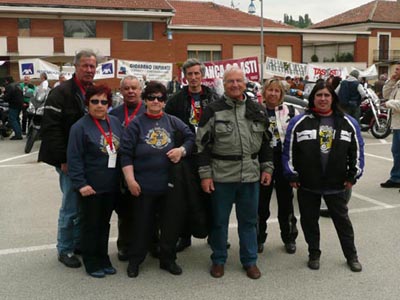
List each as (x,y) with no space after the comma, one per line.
(317,10)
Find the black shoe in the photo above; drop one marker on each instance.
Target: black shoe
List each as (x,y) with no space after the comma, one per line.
(260,248)
(97,274)
(78,251)
(354,265)
(390,184)
(183,243)
(14,138)
(69,260)
(109,270)
(132,271)
(123,256)
(313,261)
(171,267)
(290,247)
(324,212)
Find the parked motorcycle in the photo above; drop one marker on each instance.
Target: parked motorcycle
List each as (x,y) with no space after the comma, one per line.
(374,117)
(35,113)
(5,128)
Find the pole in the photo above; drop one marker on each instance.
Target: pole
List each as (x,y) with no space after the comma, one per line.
(262,43)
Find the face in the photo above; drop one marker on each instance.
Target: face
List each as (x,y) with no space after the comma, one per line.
(194,77)
(86,69)
(27,79)
(272,95)
(323,100)
(131,91)
(99,110)
(234,84)
(397,71)
(155,106)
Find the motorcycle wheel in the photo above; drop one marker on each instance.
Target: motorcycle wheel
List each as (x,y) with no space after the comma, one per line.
(383,131)
(30,139)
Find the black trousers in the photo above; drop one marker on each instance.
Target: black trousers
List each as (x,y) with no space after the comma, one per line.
(124,209)
(284,195)
(309,205)
(146,208)
(96,212)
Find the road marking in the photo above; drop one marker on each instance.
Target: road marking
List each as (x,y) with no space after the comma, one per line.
(231,225)
(377,156)
(17,157)
(20,165)
(370,200)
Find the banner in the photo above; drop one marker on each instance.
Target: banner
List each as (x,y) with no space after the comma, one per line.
(249,65)
(368,73)
(105,70)
(285,68)
(34,66)
(315,72)
(152,70)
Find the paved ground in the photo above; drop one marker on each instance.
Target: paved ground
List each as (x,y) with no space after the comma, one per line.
(29,202)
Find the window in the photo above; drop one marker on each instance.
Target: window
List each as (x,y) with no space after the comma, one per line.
(79,28)
(24,27)
(204,55)
(138,30)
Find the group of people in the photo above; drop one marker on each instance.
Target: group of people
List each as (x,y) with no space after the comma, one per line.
(231,150)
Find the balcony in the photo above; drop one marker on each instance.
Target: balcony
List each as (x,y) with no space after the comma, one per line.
(35,46)
(100,46)
(386,55)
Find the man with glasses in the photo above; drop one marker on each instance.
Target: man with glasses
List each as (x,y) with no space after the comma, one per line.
(233,150)
(64,106)
(188,105)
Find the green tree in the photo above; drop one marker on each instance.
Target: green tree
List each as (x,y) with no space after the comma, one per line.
(302,22)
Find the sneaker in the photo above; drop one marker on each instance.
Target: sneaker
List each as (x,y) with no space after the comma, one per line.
(354,265)
(69,260)
(97,274)
(109,270)
(14,138)
(390,184)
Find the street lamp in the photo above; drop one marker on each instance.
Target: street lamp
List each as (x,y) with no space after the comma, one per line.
(252,10)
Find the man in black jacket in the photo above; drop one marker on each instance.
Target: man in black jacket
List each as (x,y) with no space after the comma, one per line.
(15,98)
(188,105)
(64,106)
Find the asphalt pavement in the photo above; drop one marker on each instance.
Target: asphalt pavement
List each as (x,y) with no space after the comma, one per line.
(29,203)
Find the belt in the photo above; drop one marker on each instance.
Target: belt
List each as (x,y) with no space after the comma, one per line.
(232,157)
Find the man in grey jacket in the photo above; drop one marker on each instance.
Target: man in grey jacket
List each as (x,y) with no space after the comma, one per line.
(234,149)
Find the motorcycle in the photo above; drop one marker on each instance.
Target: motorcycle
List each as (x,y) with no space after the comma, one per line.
(374,117)
(5,128)
(35,113)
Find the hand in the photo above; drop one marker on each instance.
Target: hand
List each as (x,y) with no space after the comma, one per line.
(87,190)
(348,185)
(207,184)
(295,185)
(64,168)
(266,178)
(134,188)
(175,155)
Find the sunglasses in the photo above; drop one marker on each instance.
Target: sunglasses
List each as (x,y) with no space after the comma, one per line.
(97,101)
(159,98)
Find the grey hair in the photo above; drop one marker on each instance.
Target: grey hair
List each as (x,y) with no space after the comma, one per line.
(194,62)
(232,70)
(131,77)
(84,53)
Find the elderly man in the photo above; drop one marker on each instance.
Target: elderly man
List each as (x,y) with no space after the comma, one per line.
(64,106)
(234,149)
(132,107)
(188,105)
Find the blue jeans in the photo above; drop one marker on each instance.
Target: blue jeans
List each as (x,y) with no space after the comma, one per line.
(68,235)
(395,172)
(245,197)
(13,116)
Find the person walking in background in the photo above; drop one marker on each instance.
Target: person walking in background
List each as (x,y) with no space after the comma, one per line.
(391,91)
(14,96)
(132,107)
(61,79)
(234,149)
(323,156)
(173,86)
(28,90)
(279,115)
(92,157)
(64,106)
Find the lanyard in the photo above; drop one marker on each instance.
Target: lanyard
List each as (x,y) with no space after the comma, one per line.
(107,137)
(133,114)
(80,86)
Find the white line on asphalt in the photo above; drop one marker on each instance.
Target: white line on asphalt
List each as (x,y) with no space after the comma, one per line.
(370,200)
(19,156)
(377,156)
(232,225)
(20,165)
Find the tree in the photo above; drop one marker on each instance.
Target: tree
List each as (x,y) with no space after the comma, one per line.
(302,22)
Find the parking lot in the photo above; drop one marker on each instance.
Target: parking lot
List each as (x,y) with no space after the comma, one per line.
(29,202)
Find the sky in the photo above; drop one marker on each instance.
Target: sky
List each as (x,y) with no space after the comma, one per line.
(318,10)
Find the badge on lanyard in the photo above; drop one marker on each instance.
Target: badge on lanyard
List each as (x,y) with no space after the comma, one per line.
(112,153)
(112,156)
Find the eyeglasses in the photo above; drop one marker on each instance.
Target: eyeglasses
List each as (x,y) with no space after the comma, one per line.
(97,101)
(152,98)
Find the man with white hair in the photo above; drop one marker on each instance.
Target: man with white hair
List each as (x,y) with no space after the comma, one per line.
(233,150)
